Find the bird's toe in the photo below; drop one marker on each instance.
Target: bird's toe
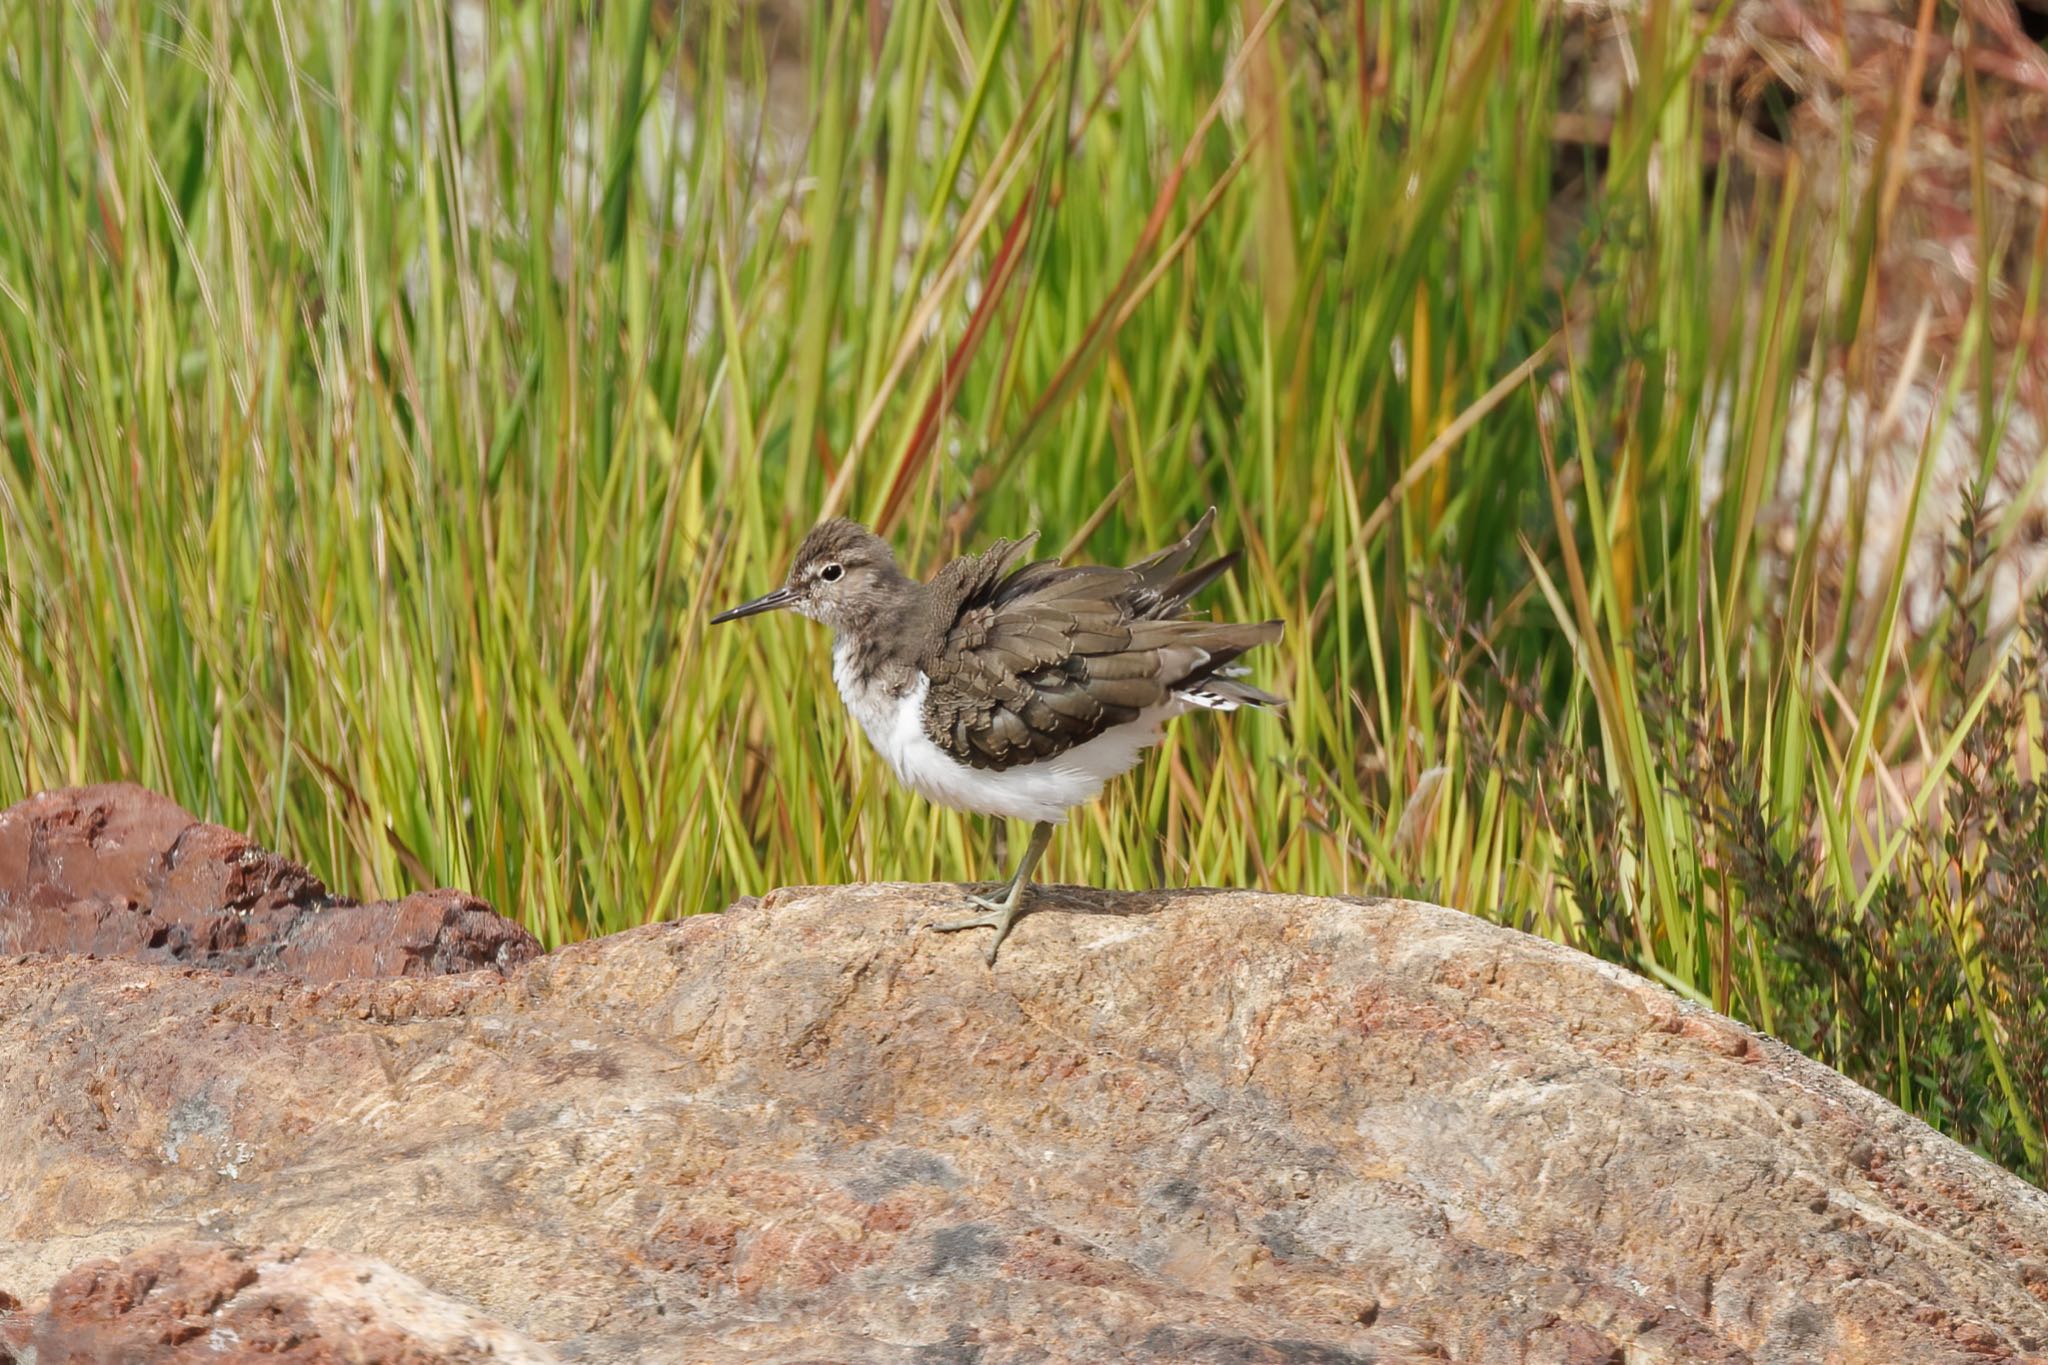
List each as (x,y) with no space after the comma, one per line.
(992,920)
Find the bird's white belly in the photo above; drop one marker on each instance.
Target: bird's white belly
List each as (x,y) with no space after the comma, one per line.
(1044,790)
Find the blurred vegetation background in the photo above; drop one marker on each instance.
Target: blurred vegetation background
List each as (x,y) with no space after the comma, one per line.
(1633,408)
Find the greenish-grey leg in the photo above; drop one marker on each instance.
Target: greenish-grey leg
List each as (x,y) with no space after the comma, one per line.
(1004,908)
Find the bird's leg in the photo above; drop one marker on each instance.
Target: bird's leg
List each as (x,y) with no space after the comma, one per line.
(1005,907)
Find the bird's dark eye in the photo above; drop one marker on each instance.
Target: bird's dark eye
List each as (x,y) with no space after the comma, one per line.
(830,573)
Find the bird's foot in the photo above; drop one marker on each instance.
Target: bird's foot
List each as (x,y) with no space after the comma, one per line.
(1002,917)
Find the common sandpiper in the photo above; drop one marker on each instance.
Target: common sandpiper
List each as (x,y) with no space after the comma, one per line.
(1016,688)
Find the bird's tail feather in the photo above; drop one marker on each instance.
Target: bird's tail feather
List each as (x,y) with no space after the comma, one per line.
(1217,693)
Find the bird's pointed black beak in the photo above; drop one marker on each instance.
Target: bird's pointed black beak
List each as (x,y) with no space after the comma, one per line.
(773,601)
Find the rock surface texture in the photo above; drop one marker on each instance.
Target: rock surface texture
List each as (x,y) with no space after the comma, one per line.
(202,1301)
(119,871)
(1183,1127)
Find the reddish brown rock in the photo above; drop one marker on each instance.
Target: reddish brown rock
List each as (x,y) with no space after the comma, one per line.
(1167,1128)
(179,1302)
(117,871)
(14,1331)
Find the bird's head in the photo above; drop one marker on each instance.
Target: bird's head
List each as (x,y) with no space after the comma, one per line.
(841,572)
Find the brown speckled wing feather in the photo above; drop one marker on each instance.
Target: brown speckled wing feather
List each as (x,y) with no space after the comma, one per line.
(1039,659)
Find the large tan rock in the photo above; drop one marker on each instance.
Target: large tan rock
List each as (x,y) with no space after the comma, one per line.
(1194,1127)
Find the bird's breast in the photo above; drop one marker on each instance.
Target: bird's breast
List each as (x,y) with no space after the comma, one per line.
(878,700)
